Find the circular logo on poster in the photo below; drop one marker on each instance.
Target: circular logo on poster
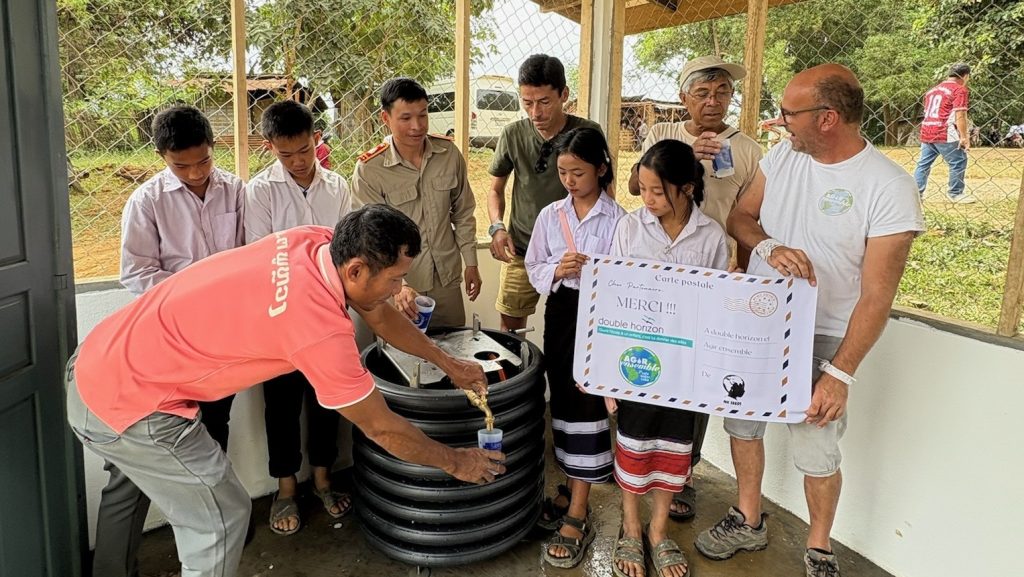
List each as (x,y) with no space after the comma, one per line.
(734,386)
(639,366)
(836,202)
(764,304)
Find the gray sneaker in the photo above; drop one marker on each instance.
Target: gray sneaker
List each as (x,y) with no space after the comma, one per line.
(731,535)
(821,564)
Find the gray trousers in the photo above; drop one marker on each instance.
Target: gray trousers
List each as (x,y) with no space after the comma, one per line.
(119,524)
(123,507)
(177,465)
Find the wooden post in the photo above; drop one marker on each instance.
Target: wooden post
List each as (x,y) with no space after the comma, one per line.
(615,84)
(238,80)
(1013,293)
(753,59)
(586,57)
(462,37)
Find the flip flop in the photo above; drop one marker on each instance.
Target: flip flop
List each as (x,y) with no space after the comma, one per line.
(331,498)
(281,509)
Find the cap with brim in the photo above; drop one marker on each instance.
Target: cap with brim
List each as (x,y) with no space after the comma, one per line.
(707,63)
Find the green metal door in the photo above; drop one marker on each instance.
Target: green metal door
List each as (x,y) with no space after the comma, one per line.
(40,487)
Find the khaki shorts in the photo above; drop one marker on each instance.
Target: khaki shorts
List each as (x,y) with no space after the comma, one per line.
(516,296)
(815,451)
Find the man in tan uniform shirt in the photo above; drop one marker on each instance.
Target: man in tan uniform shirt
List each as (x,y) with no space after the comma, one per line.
(424,176)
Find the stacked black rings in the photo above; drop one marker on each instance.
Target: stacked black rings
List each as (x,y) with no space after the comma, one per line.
(422,516)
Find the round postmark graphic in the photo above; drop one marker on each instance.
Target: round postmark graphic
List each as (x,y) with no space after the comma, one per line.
(639,366)
(764,303)
(835,202)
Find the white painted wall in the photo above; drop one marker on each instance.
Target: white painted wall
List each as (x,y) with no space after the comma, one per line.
(932,462)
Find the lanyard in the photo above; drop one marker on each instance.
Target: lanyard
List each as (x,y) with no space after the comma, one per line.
(566,231)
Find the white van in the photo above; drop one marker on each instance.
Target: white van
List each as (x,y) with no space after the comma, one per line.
(493,102)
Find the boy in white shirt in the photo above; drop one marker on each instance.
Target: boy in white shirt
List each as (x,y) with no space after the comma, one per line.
(294,191)
(186,212)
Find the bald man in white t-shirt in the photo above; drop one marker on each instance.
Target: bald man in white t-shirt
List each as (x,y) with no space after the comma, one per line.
(828,207)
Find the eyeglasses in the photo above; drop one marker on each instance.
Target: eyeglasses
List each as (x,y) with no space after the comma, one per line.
(721,95)
(786,114)
(542,160)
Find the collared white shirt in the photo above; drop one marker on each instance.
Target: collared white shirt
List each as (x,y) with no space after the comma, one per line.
(274,202)
(592,235)
(701,242)
(165,227)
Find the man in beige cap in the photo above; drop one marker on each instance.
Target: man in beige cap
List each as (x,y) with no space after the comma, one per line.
(706,89)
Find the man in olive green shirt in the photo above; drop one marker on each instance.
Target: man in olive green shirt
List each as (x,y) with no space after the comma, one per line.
(524,148)
(424,176)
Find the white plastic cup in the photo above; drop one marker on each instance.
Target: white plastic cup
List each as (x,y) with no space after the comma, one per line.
(490,440)
(425,308)
(722,162)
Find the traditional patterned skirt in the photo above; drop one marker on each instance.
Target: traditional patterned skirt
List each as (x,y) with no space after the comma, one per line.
(652,447)
(579,422)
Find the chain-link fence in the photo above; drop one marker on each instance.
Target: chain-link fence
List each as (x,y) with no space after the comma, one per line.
(899,50)
(123,60)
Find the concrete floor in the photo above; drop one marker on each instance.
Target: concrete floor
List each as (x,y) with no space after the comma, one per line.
(321,550)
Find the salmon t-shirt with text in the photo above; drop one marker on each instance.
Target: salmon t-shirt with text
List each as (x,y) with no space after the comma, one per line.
(222,325)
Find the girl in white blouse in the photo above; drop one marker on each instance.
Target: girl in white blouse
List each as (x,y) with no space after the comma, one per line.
(565,233)
(653,444)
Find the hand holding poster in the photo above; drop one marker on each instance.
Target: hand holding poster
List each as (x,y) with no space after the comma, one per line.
(705,340)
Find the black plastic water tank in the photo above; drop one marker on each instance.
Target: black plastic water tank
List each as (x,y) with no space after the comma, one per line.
(422,516)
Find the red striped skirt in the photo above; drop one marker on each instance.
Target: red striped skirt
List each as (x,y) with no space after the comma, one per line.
(653,446)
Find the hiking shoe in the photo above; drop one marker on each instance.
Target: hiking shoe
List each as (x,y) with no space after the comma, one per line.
(731,535)
(821,564)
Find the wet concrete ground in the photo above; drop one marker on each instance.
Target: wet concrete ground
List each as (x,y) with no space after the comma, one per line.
(321,550)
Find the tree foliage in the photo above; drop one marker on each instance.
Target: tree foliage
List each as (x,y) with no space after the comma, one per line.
(123,58)
(989,35)
(117,55)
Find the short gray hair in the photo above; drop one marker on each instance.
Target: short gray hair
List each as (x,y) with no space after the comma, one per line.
(702,76)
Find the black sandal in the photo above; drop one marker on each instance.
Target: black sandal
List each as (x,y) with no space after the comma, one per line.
(686,498)
(577,548)
(551,514)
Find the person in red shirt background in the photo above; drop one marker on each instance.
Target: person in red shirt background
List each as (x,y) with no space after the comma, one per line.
(323,152)
(944,132)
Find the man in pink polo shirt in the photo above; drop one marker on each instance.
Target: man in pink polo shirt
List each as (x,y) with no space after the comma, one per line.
(237,318)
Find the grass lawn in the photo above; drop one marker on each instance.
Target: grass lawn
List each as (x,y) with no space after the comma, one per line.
(957,269)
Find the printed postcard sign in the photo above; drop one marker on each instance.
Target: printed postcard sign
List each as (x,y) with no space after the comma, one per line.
(728,344)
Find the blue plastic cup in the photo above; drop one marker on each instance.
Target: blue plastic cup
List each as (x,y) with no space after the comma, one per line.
(425,309)
(490,440)
(722,162)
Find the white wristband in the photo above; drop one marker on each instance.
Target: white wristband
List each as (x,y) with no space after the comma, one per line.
(834,371)
(765,247)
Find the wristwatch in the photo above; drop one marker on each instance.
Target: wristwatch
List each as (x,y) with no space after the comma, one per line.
(765,247)
(495,227)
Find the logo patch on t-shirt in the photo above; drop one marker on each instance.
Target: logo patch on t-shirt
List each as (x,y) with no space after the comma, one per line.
(836,201)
